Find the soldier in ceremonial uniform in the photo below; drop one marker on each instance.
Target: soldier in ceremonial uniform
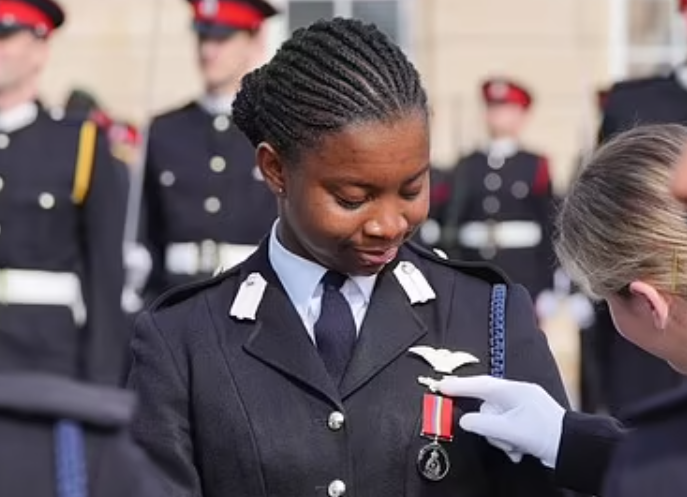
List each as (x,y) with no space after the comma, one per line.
(302,371)
(207,204)
(62,206)
(627,373)
(501,201)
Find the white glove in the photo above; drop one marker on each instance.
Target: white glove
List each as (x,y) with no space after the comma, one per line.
(518,418)
(137,263)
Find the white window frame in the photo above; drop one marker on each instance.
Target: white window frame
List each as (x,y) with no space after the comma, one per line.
(623,54)
(277,27)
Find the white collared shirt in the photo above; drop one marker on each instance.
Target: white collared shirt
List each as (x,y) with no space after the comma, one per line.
(503,147)
(18,117)
(217,104)
(301,279)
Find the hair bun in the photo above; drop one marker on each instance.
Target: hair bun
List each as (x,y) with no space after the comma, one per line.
(248,105)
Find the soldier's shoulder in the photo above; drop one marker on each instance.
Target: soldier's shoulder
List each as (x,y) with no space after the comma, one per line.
(475,271)
(474,155)
(631,87)
(190,294)
(659,409)
(534,155)
(65,123)
(174,114)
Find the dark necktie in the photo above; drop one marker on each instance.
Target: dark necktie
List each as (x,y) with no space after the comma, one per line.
(335,330)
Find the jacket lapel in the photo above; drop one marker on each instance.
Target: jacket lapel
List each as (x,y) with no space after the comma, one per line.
(279,338)
(391,326)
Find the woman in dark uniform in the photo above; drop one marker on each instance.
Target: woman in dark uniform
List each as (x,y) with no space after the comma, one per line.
(623,236)
(292,374)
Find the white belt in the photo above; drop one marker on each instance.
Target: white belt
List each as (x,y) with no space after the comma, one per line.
(31,287)
(504,235)
(205,257)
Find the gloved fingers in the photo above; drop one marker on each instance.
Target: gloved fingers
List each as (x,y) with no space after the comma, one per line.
(494,426)
(484,387)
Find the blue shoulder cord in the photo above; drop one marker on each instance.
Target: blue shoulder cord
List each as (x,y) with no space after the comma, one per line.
(70,459)
(497,331)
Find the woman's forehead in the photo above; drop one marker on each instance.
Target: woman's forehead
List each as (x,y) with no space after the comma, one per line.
(372,148)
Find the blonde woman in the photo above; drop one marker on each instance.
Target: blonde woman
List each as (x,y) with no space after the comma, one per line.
(623,238)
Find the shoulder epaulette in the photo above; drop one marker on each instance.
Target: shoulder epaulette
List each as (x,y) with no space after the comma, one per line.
(84,162)
(480,270)
(178,294)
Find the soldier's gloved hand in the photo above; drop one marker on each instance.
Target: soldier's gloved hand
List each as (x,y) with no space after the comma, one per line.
(518,418)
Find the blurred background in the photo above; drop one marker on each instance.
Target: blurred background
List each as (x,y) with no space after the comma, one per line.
(137,56)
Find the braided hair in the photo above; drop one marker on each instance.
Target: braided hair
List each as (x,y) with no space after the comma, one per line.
(330,75)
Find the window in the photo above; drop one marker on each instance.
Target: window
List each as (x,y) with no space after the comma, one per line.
(646,36)
(391,16)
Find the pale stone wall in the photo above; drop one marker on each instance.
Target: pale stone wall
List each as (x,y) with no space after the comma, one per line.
(558,48)
(132,53)
(139,53)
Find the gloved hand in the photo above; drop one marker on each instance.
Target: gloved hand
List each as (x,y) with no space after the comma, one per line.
(518,418)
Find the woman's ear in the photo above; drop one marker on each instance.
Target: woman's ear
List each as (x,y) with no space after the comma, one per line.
(657,303)
(272,168)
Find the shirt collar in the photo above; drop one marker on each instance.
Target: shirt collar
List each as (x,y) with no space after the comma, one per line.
(301,277)
(502,147)
(18,117)
(217,104)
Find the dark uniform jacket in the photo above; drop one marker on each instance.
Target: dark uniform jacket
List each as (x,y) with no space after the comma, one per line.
(246,407)
(201,185)
(646,456)
(652,458)
(491,193)
(57,216)
(30,407)
(627,374)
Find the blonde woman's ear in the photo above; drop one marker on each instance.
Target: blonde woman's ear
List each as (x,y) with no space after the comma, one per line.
(659,305)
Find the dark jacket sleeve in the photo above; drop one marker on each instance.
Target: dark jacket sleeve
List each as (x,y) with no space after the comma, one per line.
(587,446)
(528,358)
(162,425)
(103,216)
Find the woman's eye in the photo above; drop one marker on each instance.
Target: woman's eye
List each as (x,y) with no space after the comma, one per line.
(349,204)
(411,195)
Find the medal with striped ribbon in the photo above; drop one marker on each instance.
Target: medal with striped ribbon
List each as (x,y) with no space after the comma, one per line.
(437,425)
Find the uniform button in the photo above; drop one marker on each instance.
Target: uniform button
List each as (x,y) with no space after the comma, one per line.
(335,421)
(46,200)
(212,204)
(492,182)
(221,123)
(2,183)
(4,141)
(520,189)
(167,178)
(491,205)
(496,161)
(487,253)
(337,488)
(218,164)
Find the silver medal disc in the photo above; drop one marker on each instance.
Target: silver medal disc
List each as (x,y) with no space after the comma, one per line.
(433,462)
